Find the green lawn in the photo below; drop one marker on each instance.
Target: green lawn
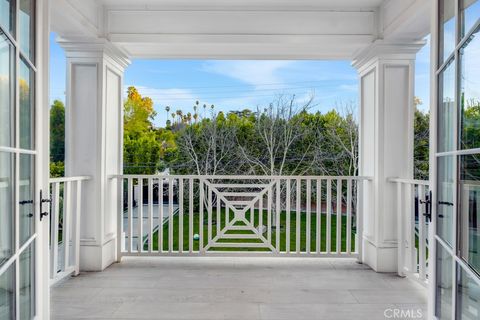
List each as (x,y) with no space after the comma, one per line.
(283,233)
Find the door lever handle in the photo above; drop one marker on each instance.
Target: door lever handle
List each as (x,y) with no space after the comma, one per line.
(42,201)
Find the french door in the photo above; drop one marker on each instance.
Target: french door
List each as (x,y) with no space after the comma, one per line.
(21,277)
(456,280)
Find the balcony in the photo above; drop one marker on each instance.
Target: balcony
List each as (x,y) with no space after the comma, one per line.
(235,288)
(243,247)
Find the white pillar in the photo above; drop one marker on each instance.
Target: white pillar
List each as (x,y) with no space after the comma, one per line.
(386,142)
(93,143)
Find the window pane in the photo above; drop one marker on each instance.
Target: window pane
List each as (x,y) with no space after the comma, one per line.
(7,293)
(446,109)
(443,284)
(470,209)
(26,196)
(27,283)
(468,297)
(6,206)
(446,29)
(445,191)
(470,13)
(7,57)
(26,26)
(27,114)
(470,93)
(7,14)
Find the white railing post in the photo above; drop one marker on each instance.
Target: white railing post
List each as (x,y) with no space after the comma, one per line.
(54,230)
(76,228)
(67,216)
(359,217)
(400,231)
(348,228)
(150,215)
(329,217)
(130,215)
(421,233)
(120,230)
(411,221)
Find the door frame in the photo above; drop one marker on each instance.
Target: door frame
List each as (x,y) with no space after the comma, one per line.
(42,121)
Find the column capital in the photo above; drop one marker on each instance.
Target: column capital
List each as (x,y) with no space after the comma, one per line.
(386,50)
(85,48)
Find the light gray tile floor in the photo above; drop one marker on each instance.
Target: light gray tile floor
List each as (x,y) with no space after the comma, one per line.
(236,288)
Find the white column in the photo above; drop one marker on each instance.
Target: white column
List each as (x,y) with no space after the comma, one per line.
(93,143)
(386,142)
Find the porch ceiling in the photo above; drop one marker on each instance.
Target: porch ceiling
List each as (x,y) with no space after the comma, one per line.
(246,29)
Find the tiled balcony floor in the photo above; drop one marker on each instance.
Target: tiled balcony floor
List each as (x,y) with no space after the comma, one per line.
(235,288)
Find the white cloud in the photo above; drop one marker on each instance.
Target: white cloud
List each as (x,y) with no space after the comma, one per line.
(349,87)
(255,73)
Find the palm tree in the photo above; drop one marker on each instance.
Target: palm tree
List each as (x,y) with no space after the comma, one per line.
(167,108)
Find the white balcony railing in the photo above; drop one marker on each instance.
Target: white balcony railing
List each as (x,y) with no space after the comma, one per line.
(65,217)
(412,205)
(274,215)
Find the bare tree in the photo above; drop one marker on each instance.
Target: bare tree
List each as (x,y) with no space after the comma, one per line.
(208,147)
(337,153)
(279,129)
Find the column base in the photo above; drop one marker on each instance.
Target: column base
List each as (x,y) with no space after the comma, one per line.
(97,257)
(380,259)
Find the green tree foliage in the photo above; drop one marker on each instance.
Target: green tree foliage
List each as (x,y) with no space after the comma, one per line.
(57,131)
(141,148)
(141,154)
(57,139)
(138,113)
(57,169)
(421,142)
(470,124)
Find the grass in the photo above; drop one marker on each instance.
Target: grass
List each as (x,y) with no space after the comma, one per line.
(283,233)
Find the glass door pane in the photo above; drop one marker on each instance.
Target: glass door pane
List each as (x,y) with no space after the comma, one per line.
(444,284)
(468,296)
(7,14)
(27,112)
(470,13)
(7,110)
(445,197)
(27,197)
(26,28)
(7,293)
(7,211)
(27,283)
(469,93)
(470,210)
(446,29)
(446,109)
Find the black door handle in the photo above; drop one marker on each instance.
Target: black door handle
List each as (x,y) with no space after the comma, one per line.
(428,206)
(42,201)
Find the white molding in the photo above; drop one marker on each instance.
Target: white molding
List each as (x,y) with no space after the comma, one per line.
(80,47)
(381,49)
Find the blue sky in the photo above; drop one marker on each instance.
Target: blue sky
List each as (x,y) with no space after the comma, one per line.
(235,85)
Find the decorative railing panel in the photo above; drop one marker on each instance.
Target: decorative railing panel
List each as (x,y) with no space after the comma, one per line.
(273,215)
